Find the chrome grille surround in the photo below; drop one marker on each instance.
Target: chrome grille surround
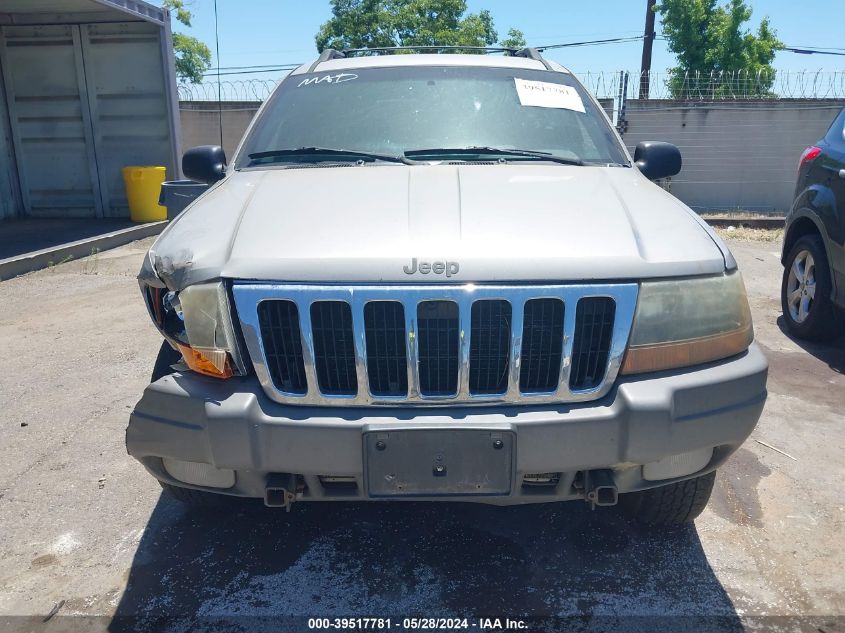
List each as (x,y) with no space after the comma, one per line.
(248,296)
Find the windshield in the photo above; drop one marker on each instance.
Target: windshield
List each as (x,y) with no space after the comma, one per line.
(391,111)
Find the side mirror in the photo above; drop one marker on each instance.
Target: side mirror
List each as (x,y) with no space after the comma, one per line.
(657,159)
(205,163)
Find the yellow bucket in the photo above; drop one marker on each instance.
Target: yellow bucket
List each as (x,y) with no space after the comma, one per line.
(143,186)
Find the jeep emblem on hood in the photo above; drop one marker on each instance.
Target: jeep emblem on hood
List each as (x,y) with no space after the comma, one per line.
(438,268)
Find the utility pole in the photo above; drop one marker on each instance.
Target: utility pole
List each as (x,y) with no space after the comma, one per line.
(648,42)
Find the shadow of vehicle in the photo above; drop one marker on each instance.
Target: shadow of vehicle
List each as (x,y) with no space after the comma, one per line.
(252,567)
(831,353)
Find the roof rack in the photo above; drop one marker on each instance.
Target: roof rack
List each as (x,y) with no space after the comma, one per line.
(528,52)
(446,47)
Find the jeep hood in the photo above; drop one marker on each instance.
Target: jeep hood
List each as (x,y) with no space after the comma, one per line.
(504,222)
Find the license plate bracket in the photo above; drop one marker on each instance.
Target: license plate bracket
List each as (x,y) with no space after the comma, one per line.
(438,462)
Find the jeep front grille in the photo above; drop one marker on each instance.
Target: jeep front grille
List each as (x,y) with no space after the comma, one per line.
(489,346)
(593,329)
(387,358)
(280,326)
(334,352)
(362,345)
(439,336)
(542,345)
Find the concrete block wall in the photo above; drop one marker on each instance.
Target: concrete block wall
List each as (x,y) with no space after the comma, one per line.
(201,123)
(740,155)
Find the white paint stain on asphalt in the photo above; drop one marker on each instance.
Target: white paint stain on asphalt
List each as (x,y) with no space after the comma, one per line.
(65,544)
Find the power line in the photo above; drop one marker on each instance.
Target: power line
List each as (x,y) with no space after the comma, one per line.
(268,68)
(213,69)
(253,72)
(801,50)
(807,51)
(222,71)
(820,48)
(615,40)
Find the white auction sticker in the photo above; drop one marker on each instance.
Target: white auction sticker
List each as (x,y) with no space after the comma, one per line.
(543,94)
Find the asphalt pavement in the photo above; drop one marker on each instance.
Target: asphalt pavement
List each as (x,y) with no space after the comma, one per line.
(85,532)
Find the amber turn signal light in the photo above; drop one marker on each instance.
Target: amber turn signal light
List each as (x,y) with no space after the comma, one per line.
(209,363)
(639,359)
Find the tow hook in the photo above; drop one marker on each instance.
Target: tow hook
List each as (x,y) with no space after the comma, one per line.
(599,488)
(281,490)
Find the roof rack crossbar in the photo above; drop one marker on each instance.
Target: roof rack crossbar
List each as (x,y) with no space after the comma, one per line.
(445,47)
(527,53)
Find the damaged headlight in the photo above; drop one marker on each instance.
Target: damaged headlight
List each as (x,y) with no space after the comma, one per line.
(166,312)
(687,322)
(198,321)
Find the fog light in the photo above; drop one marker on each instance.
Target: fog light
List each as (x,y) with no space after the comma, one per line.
(677,465)
(199,474)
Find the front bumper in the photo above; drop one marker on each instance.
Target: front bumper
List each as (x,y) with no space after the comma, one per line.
(231,424)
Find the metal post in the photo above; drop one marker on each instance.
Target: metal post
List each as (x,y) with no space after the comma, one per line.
(621,121)
(617,110)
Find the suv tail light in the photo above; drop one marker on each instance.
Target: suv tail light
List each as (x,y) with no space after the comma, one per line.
(809,155)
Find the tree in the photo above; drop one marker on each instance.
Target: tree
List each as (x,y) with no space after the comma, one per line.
(384,23)
(193,57)
(708,38)
(515,39)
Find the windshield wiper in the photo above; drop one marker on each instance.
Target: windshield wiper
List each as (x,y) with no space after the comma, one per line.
(601,163)
(492,151)
(330,153)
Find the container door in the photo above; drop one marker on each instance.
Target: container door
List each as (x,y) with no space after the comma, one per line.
(51,130)
(10,202)
(129,103)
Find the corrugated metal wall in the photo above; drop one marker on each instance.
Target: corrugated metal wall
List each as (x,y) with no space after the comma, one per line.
(10,202)
(128,103)
(83,102)
(51,132)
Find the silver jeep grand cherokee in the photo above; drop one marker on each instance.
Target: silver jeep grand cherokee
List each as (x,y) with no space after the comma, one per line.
(442,277)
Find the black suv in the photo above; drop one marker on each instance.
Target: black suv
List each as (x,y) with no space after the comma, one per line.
(813,287)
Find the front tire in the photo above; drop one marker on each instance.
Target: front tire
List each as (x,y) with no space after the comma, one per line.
(805,292)
(669,505)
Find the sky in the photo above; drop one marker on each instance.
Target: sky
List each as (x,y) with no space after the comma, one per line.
(262,32)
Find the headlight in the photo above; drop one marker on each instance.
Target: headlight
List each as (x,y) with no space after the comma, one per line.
(198,321)
(166,312)
(687,322)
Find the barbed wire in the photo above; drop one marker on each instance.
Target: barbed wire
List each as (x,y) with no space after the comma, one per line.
(231,90)
(741,85)
(715,86)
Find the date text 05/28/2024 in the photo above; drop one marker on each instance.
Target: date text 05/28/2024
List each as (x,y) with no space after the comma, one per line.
(416,624)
